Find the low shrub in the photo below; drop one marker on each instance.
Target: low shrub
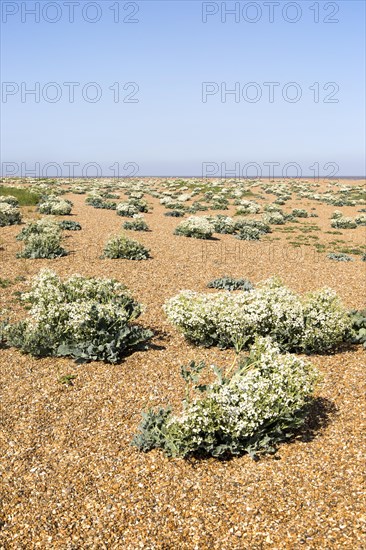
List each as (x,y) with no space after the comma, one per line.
(196,207)
(228,283)
(68,225)
(175,213)
(220,205)
(196,227)
(37,227)
(84,318)
(247,233)
(136,225)
(4,326)
(316,322)
(336,215)
(9,215)
(358,327)
(120,246)
(299,213)
(42,239)
(343,223)
(223,224)
(272,208)
(274,218)
(43,246)
(248,207)
(339,257)
(262,227)
(55,206)
(9,199)
(175,206)
(126,209)
(139,204)
(100,203)
(4,283)
(360,220)
(261,404)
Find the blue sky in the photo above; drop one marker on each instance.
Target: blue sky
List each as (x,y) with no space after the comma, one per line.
(168,54)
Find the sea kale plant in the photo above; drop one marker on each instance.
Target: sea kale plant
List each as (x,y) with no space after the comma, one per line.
(69,225)
(55,206)
(122,247)
(9,214)
(137,224)
(84,318)
(42,240)
(100,203)
(343,223)
(242,223)
(9,199)
(339,257)
(229,283)
(132,207)
(248,410)
(248,207)
(126,209)
(175,213)
(358,327)
(223,224)
(316,322)
(195,226)
(360,220)
(274,218)
(299,213)
(247,233)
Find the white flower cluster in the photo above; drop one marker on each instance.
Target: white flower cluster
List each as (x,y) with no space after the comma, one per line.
(275,218)
(317,321)
(360,220)
(184,197)
(72,310)
(9,215)
(42,239)
(9,199)
(126,209)
(248,207)
(198,227)
(336,215)
(55,206)
(166,200)
(35,227)
(343,222)
(273,386)
(223,224)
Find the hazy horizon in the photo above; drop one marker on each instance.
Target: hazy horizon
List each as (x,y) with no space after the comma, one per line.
(171,87)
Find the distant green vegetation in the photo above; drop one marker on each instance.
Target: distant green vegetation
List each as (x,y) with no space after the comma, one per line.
(24,196)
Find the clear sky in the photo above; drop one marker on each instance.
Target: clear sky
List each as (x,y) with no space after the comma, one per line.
(150,82)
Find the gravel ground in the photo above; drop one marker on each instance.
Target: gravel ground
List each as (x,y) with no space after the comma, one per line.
(71,480)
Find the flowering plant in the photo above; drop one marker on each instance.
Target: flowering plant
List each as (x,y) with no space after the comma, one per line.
(9,215)
(121,246)
(85,318)
(315,322)
(126,209)
(55,206)
(137,224)
(252,410)
(9,199)
(275,218)
(195,226)
(248,207)
(343,222)
(42,239)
